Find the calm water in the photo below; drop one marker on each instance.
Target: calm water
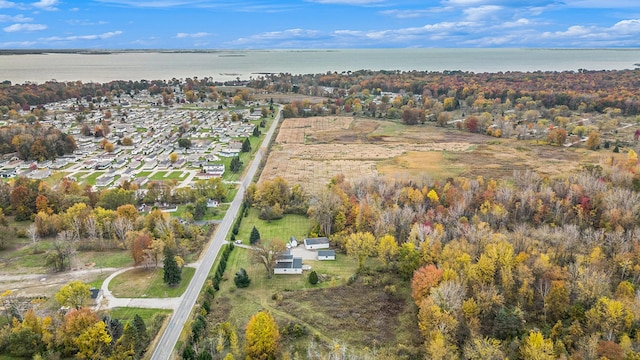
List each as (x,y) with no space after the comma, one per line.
(229,65)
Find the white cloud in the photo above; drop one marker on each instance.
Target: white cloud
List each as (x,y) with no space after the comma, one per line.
(480,13)
(627,26)
(78,22)
(84,37)
(6,4)
(194,35)
(49,5)
(24,27)
(17,18)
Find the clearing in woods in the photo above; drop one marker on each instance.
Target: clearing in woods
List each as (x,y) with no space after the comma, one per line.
(310,151)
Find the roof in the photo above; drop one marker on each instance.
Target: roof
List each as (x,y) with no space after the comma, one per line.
(326,253)
(296,264)
(316,241)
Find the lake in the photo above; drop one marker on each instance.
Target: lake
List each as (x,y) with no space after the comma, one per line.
(229,65)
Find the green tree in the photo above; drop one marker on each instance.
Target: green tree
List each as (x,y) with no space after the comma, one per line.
(172,272)
(408,260)
(242,279)
(236,164)
(74,295)
(254,238)
(313,277)
(184,143)
(262,337)
(246,145)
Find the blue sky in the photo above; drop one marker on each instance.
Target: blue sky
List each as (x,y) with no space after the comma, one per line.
(316,24)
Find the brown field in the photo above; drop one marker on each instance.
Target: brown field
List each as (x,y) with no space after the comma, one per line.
(310,151)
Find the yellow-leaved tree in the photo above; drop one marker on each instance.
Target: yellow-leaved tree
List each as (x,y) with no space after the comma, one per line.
(536,347)
(262,337)
(361,245)
(74,295)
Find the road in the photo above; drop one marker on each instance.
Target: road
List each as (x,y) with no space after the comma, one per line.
(179,317)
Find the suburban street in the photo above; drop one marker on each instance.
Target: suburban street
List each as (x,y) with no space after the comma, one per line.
(164,349)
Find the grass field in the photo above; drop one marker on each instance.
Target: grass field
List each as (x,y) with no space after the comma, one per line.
(148,283)
(91,179)
(127,314)
(282,229)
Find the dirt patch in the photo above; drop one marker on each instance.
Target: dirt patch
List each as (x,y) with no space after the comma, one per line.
(370,321)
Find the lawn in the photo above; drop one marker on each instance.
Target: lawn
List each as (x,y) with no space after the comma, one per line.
(159,176)
(148,283)
(91,179)
(167,175)
(283,229)
(128,313)
(107,259)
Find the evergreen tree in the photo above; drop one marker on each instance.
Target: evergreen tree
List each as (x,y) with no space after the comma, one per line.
(241,279)
(236,164)
(172,272)
(254,238)
(246,145)
(256,131)
(313,278)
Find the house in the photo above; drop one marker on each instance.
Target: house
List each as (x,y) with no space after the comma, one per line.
(316,243)
(326,255)
(8,173)
(213,169)
(212,203)
(286,264)
(39,174)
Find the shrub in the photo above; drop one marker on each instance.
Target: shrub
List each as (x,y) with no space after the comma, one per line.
(313,278)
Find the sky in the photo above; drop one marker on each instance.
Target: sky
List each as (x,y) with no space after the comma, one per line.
(318,24)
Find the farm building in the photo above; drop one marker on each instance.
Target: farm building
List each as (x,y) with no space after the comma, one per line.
(287,264)
(316,243)
(326,255)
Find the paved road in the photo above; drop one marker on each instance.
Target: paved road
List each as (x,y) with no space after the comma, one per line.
(167,342)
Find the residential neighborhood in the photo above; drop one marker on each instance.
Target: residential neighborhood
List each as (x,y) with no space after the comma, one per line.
(143,135)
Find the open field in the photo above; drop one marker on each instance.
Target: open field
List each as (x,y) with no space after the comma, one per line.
(148,283)
(282,229)
(310,151)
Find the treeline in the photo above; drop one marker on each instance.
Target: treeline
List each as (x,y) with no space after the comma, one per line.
(522,268)
(27,96)
(79,218)
(584,89)
(36,142)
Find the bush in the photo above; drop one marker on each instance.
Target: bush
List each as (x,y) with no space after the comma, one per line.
(313,278)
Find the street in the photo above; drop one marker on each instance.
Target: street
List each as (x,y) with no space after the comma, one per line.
(168,340)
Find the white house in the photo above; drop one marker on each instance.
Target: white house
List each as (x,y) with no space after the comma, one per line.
(286,264)
(316,243)
(326,255)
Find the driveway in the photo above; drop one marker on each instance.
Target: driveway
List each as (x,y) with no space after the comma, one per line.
(302,252)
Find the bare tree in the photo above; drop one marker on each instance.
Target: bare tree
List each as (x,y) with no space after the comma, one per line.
(121,225)
(32,231)
(266,254)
